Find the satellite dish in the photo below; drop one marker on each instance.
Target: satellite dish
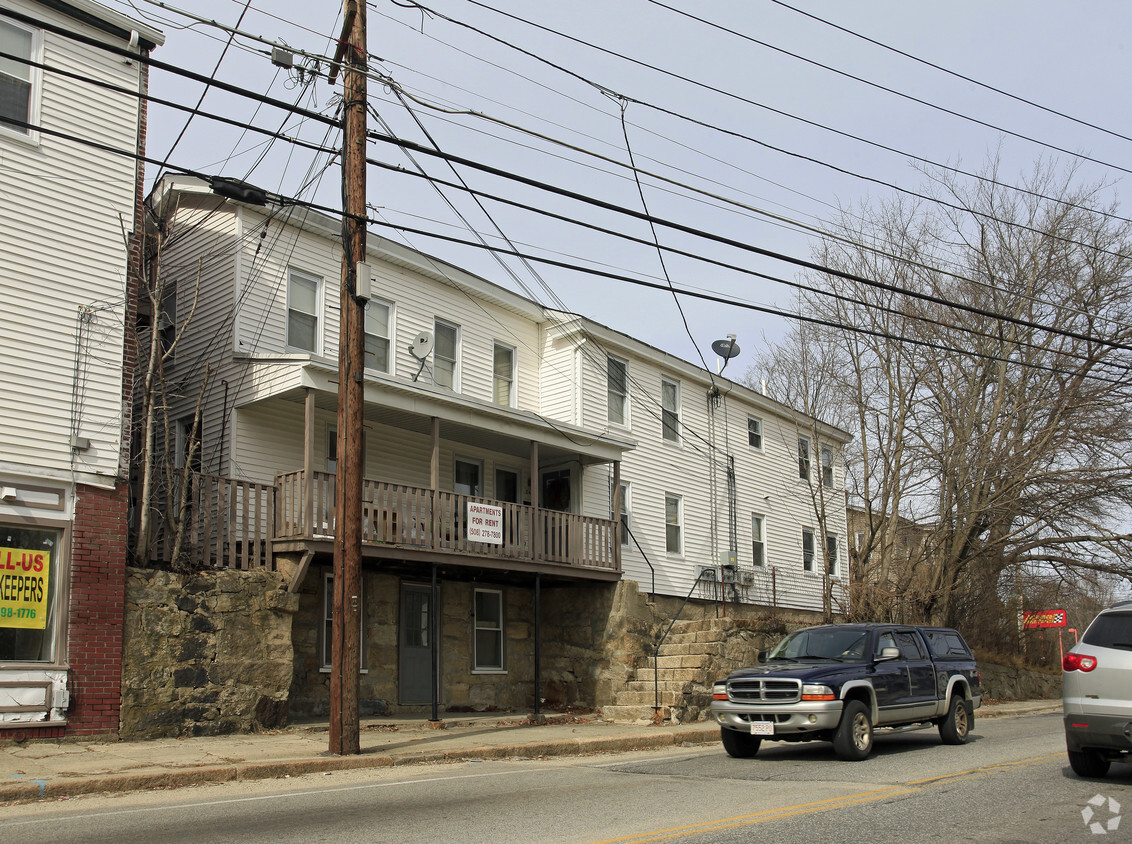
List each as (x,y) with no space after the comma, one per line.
(726,349)
(421,346)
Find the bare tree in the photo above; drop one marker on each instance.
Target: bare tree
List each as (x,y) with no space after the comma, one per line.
(995,433)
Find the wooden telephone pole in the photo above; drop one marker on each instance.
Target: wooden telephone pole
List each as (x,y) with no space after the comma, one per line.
(347,598)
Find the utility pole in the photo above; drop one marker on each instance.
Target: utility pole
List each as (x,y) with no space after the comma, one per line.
(347,598)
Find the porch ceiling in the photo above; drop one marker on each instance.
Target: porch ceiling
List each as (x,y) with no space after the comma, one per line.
(464,420)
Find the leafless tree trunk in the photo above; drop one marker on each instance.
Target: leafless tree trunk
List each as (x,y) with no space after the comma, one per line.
(995,436)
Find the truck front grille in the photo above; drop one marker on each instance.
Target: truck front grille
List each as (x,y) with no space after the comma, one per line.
(764,690)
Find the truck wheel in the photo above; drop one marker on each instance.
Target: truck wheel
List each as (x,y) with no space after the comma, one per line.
(1088,763)
(956,724)
(853,740)
(740,745)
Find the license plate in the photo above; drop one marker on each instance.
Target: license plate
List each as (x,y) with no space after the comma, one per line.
(762,728)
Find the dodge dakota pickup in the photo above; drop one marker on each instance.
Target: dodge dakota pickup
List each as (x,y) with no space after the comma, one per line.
(837,682)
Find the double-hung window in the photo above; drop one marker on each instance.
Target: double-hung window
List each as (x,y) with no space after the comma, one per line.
(446,356)
(503,379)
(807,549)
(625,514)
(378,320)
(827,466)
(755,433)
(303,297)
(18,81)
(804,458)
(489,630)
(670,410)
(758,540)
(831,554)
(617,393)
(673,524)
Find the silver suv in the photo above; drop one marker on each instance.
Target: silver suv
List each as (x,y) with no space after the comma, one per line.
(1097,693)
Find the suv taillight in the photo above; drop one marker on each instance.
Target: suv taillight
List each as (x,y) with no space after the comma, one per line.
(1078,662)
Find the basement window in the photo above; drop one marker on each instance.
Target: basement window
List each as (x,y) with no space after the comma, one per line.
(326,631)
(489,631)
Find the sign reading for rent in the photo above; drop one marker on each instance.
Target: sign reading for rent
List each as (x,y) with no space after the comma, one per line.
(23,587)
(485,523)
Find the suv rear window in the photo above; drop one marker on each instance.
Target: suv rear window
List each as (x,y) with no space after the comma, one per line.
(1110,630)
(946,643)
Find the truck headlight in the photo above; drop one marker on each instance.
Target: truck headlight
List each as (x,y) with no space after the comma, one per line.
(812,691)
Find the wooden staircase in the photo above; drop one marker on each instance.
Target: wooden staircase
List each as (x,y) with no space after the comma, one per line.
(690,660)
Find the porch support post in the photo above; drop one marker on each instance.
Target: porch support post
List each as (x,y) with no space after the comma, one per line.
(308,462)
(617,505)
(434,482)
(538,646)
(434,647)
(536,539)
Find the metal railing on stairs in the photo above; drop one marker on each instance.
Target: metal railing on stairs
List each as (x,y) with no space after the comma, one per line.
(656,650)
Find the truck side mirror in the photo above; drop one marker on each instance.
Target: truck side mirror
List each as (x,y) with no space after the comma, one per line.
(761,656)
(887,654)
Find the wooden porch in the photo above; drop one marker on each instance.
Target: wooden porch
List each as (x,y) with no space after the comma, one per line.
(239,524)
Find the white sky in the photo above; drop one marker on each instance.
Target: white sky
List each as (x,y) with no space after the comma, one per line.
(1072,58)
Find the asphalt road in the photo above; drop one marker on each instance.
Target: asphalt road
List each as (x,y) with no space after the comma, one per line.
(1011,783)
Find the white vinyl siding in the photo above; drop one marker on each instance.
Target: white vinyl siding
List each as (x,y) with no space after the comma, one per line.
(670,410)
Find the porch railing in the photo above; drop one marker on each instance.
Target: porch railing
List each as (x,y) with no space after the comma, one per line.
(421,518)
(226,523)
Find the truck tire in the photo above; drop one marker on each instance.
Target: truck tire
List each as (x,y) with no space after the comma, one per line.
(853,739)
(1088,764)
(956,724)
(737,744)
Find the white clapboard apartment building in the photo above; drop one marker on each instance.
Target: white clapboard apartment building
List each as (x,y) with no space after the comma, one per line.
(72,123)
(522,465)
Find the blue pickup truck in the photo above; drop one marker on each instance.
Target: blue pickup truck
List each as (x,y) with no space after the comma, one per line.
(839,681)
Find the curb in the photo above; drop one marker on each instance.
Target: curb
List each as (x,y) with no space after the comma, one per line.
(37,790)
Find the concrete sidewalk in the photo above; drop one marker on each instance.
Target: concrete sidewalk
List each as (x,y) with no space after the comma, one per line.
(45,770)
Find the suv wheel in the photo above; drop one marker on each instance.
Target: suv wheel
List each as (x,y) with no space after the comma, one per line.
(1088,763)
(956,725)
(853,740)
(740,745)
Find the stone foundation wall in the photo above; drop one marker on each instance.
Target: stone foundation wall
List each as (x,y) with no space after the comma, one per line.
(205,654)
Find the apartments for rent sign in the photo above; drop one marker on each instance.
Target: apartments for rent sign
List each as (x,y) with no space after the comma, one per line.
(23,587)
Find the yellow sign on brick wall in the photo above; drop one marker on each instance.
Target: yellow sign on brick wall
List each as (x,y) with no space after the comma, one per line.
(23,587)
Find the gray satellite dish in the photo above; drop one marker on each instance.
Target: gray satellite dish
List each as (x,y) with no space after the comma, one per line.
(726,349)
(421,346)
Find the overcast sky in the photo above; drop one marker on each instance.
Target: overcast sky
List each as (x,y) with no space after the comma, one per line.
(755,103)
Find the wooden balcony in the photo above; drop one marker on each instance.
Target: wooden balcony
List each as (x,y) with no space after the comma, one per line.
(415,519)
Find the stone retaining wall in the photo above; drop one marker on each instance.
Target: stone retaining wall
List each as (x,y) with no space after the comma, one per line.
(205,654)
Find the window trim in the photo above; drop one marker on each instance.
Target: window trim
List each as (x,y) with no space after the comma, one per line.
(389,356)
(457,459)
(325,645)
(296,274)
(511,379)
(759,423)
(623,394)
(455,361)
(666,412)
(35,82)
(758,536)
(679,523)
(500,632)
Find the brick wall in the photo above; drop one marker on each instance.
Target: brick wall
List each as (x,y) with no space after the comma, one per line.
(94,631)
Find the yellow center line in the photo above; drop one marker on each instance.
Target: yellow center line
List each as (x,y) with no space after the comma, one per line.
(823,805)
